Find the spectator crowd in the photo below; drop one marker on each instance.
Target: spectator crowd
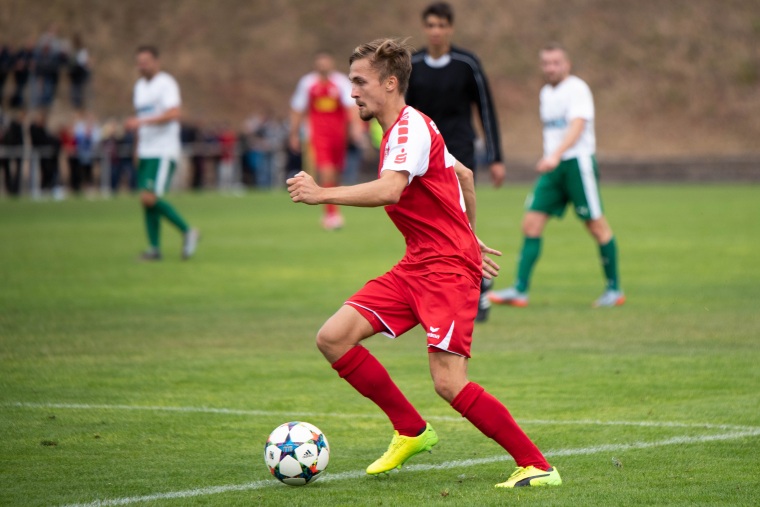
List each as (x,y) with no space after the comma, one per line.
(73,151)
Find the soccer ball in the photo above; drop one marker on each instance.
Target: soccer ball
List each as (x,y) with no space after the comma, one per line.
(296,453)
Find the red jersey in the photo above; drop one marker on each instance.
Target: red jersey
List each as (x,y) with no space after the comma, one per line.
(431,211)
(326,102)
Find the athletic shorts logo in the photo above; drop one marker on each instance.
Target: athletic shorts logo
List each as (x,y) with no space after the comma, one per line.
(433,333)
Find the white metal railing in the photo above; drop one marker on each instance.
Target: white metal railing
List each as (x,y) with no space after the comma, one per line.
(26,164)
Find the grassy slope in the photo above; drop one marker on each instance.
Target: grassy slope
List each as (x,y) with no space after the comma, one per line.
(81,322)
(678,77)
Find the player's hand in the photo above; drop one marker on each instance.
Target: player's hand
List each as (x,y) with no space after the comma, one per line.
(132,123)
(498,172)
(547,164)
(490,268)
(303,188)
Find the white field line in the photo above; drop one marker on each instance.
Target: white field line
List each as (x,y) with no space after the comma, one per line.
(734,432)
(296,415)
(213,490)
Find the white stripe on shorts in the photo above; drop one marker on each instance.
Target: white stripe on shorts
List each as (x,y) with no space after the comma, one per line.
(390,333)
(590,188)
(444,345)
(163,175)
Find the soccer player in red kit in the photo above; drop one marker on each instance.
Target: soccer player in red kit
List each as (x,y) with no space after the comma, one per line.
(430,197)
(324,97)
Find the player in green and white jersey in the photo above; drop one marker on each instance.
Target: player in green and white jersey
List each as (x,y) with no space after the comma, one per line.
(569,174)
(157,103)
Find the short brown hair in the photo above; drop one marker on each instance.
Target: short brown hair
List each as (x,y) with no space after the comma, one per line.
(554,46)
(147,48)
(389,57)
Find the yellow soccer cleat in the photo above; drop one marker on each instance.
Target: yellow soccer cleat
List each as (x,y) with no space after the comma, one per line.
(532,476)
(401,449)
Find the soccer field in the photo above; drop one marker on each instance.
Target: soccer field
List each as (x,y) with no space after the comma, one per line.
(126,383)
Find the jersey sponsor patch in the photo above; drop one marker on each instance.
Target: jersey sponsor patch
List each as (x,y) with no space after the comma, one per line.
(401,157)
(557,123)
(326,104)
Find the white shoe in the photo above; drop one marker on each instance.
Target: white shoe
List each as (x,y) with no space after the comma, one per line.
(610,298)
(190,243)
(509,296)
(332,222)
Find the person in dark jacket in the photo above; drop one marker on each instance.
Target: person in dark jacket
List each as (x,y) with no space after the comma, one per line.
(446,82)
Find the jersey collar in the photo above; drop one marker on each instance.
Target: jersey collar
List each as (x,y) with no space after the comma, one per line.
(439,62)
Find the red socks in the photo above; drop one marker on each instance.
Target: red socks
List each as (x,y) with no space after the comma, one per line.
(492,418)
(365,373)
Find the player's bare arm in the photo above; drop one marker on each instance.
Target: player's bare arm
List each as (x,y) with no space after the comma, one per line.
(383,191)
(551,161)
(498,173)
(294,138)
(497,170)
(167,116)
(467,183)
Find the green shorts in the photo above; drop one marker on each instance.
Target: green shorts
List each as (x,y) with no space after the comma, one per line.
(575,180)
(155,174)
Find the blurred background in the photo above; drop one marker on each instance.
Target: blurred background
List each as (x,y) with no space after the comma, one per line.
(676,83)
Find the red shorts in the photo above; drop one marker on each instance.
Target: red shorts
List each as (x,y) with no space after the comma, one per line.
(444,303)
(329,151)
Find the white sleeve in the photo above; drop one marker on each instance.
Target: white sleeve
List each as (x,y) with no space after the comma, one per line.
(581,103)
(449,159)
(409,148)
(300,100)
(344,85)
(170,97)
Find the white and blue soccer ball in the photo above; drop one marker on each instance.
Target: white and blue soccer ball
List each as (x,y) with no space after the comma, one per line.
(297,453)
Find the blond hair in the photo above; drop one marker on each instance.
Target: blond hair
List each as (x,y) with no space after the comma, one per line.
(389,57)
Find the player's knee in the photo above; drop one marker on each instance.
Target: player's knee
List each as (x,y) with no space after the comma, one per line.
(148,199)
(531,231)
(330,339)
(324,339)
(446,388)
(603,237)
(600,230)
(532,226)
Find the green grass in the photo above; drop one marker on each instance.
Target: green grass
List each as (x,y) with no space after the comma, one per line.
(82,323)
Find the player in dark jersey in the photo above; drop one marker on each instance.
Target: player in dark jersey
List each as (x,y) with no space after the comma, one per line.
(446,82)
